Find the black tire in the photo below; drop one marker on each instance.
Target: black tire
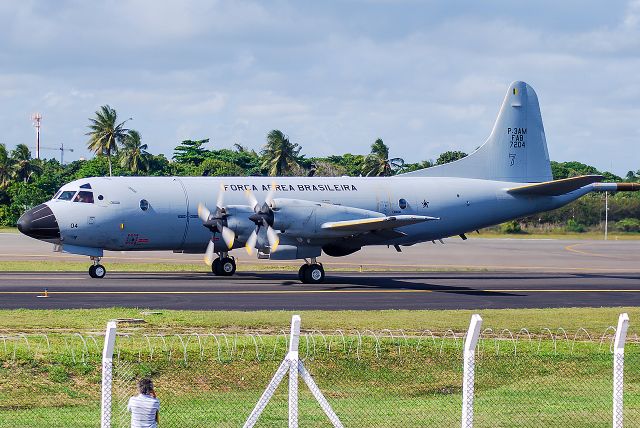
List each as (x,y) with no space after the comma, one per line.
(314,274)
(302,272)
(227,266)
(215,267)
(92,271)
(99,271)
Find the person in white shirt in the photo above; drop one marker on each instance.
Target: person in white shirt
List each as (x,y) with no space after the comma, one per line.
(144,407)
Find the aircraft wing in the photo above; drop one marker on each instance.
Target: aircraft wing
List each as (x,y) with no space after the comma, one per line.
(377,223)
(556,187)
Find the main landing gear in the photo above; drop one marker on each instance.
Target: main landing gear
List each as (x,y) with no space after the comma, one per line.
(96,270)
(224,265)
(311,272)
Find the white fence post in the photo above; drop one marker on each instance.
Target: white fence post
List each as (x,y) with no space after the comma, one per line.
(294,340)
(107,370)
(292,364)
(468,376)
(618,370)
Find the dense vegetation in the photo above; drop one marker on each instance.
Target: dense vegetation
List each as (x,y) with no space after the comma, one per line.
(25,181)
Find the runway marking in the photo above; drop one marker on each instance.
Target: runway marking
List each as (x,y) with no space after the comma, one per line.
(331,291)
(571,248)
(44,278)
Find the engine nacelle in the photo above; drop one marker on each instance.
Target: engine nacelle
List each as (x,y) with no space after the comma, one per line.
(304,218)
(238,221)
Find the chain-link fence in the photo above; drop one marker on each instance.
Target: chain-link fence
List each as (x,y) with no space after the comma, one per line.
(370,378)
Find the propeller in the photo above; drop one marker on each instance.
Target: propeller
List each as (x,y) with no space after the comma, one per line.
(263,218)
(215,222)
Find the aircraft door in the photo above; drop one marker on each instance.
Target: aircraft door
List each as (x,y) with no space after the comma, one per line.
(161,215)
(384,206)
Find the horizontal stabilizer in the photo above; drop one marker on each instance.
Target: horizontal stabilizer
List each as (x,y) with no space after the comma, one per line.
(377,223)
(557,187)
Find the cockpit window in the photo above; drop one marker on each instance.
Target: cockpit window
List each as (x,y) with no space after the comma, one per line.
(67,195)
(86,197)
(86,186)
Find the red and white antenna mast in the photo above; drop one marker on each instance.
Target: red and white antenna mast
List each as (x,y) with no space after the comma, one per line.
(37,118)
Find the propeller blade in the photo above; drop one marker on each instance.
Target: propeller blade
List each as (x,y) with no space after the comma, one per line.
(253,202)
(228,236)
(251,242)
(220,200)
(208,255)
(203,212)
(269,197)
(273,238)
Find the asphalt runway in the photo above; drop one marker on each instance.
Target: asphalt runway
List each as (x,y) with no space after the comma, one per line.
(272,291)
(488,273)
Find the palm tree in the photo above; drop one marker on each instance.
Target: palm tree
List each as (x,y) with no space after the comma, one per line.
(106,133)
(23,165)
(5,167)
(133,154)
(378,163)
(280,155)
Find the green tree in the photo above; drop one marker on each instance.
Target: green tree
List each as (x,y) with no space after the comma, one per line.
(280,156)
(23,196)
(106,134)
(353,164)
(191,152)
(416,166)
(159,165)
(23,165)
(378,163)
(323,168)
(450,156)
(5,167)
(215,167)
(134,155)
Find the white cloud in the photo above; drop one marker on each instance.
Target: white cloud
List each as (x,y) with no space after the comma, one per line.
(422,75)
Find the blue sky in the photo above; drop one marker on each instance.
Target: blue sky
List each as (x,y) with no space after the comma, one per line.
(425,76)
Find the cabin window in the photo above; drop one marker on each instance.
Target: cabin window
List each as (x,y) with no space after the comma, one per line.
(402,203)
(100,197)
(86,197)
(67,195)
(144,204)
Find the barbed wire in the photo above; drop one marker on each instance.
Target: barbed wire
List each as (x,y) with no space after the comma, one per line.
(255,345)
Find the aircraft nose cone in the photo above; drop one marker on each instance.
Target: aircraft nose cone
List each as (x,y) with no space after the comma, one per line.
(40,223)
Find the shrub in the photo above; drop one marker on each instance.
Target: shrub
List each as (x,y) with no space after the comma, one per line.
(575,226)
(628,225)
(512,226)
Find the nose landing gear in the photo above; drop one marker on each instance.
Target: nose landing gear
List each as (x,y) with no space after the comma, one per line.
(311,273)
(96,270)
(224,265)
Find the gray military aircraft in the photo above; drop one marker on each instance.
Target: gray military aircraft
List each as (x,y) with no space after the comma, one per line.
(508,177)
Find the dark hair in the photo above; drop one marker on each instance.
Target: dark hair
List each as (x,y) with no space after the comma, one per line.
(145,386)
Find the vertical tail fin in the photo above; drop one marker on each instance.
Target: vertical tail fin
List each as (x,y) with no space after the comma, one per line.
(515,151)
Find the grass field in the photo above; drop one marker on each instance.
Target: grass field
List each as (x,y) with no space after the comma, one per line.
(407,382)
(592,319)
(420,386)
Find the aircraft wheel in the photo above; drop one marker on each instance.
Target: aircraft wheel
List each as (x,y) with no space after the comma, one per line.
(227,266)
(314,274)
(97,271)
(302,272)
(216,267)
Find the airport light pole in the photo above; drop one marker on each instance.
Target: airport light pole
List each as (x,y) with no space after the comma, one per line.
(606,215)
(37,118)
